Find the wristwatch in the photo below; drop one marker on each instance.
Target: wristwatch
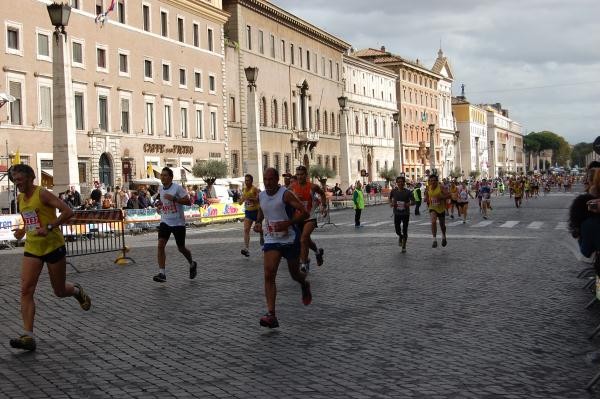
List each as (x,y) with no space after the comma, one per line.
(49,227)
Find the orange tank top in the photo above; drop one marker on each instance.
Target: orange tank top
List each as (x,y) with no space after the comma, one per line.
(304,194)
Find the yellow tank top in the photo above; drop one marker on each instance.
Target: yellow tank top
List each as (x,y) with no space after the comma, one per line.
(250,193)
(36,214)
(436,203)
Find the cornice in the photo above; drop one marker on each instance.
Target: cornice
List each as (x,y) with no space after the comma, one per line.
(200,8)
(273,12)
(360,63)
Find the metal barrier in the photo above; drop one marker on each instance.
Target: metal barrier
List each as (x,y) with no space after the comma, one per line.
(96,232)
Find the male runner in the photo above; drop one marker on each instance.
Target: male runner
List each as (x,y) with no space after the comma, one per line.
(400,201)
(44,243)
(250,199)
(485,193)
(172,220)
(281,211)
(311,195)
(435,197)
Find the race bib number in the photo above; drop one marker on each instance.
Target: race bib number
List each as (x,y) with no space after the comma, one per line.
(400,205)
(275,234)
(435,201)
(31,220)
(168,209)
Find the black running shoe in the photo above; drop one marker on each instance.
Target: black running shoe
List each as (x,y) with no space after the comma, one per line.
(24,342)
(444,242)
(193,270)
(305,267)
(269,320)
(245,252)
(160,278)
(306,294)
(319,256)
(84,299)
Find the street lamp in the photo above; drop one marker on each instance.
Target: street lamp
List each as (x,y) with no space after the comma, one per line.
(59,16)
(254,159)
(345,176)
(343,101)
(431,147)
(251,75)
(398,162)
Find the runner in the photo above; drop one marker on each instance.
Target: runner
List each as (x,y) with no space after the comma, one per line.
(400,201)
(250,199)
(281,211)
(313,198)
(44,243)
(486,198)
(453,199)
(463,201)
(435,197)
(518,192)
(171,198)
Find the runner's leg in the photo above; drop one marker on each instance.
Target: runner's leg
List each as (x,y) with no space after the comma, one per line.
(271,264)
(30,273)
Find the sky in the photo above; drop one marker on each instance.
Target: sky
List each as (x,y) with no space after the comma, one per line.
(539,58)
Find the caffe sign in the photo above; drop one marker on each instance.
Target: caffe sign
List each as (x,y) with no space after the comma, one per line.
(163,149)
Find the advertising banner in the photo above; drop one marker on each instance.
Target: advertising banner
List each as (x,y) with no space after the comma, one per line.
(7,224)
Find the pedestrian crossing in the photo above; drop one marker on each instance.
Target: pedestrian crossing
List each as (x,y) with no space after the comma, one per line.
(508,224)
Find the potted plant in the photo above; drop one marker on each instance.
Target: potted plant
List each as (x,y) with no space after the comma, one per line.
(210,171)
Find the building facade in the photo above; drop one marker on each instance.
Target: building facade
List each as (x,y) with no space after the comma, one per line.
(371,93)
(471,122)
(417,98)
(299,82)
(148,87)
(505,142)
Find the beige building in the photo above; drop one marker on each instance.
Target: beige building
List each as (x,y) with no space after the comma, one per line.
(148,86)
(418,104)
(299,81)
(505,142)
(471,123)
(371,93)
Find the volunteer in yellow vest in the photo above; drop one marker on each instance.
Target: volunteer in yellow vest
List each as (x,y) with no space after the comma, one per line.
(359,203)
(250,201)
(435,197)
(44,243)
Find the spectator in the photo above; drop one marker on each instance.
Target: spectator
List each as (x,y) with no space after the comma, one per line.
(133,202)
(121,197)
(337,191)
(143,199)
(96,195)
(107,202)
(74,198)
(584,218)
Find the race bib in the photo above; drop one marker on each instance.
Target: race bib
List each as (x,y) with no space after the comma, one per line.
(400,205)
(31,220)
(435,201)
(275,234)
(168,209)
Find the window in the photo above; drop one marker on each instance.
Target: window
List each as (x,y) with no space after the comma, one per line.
(75,4)
(198,80)
(235,163)
(308,60)
(146,17)
(213,125)
(13,39)
(168,122)
(286,116)
(196,30)
(43,46)
(332,122)
(183,123)
(283,50)
(261,43)
(147,69)
(210,40)
(199,124)
(265,160)
(292,55)
(45,106)
(334,164)
(16,107)
(231,110)
(166,73)
(121,11)
(263,111)
(123,63)
(99,7)
(272,46)
(77,54)
(149,118)
(101,60)
(103,113)
(337,71)
(212,86)
(323,66)
(286,163)
(125,115)
(310,119)
(277,161)
(248,37)
(275,112)
(164,23)
(182,78)
(330,69)
(79,111)
(300,56)
(180,30)
(294,117)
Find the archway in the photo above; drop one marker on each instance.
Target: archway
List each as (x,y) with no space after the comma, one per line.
(105,172)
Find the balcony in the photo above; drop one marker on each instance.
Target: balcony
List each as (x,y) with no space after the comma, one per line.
(306,136)
(370,141)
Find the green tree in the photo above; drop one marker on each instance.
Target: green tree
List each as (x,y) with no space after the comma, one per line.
(456,173)
(210,170)
(580,150)
(321,173)
(474,174)
(388,175)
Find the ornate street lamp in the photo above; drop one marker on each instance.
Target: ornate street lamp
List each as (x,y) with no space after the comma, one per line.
(343,101)
(59,16)
(251,75)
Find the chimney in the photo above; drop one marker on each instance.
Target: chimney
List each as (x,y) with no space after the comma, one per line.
(383,48)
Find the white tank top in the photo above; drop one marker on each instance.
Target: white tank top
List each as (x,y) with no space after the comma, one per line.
(274,210)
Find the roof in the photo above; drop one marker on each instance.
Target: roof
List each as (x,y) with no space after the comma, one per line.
(442,62)
(385,57)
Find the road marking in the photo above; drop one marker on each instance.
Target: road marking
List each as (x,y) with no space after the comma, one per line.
(510,224)
(454,223)
(483,223)
(561,226)
(378,224)
(424,224)
(535,225)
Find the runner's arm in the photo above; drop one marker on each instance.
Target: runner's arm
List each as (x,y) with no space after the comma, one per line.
(50,199)
(290,199)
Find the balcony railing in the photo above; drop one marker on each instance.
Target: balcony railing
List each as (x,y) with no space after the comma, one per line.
(305,135)
(371,141)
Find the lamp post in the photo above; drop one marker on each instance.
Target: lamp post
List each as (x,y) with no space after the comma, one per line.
(254,156)
(65,168)
(431,147)
(476,153)
(345,177)
(493,159)
(515,157)
(398,162)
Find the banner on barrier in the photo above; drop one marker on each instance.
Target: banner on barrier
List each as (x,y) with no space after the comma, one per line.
(219,211)
(206,213)
(7,224)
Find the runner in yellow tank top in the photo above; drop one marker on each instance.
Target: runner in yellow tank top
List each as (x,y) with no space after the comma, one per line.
(44,243)
(251,205)
(435,197)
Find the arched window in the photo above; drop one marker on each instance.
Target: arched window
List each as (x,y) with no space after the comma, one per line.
(366,126)
(356,126)
(325,122)
(375,126)
(263,111)
(383,129)
(275,114)
(286,116)
(318,120)
(333,122)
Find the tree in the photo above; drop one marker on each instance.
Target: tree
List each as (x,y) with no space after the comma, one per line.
(456,173)
(580,150)
(321,173)
(388,175)
(210,170)
(474,174)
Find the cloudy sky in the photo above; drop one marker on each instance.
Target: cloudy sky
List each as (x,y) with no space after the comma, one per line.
(539,58)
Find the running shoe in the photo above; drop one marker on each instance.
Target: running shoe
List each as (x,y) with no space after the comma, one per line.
(84,299)
(434,245)
(24,342)
(400,241)
(193,270)
(319,256)
(306,294)
(403,245)
(269,320)
(485,217)
(444,242)
(245,252)
(305,267)
(160,278)
(452,216)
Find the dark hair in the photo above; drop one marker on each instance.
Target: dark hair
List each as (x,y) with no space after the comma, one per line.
(578,212)
(249,176)
(168,170)
(401,178)
(594,164)
(301,167)
(24,169)
(274,170)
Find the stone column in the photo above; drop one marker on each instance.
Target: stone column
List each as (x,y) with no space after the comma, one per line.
(398,164)
(66,171)
(345,177)
(431,148)
(254,160)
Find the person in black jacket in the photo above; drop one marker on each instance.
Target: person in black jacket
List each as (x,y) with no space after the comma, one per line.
(96,196)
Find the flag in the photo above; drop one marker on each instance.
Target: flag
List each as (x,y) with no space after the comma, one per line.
(149,170)
(17,158)
(101,18)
